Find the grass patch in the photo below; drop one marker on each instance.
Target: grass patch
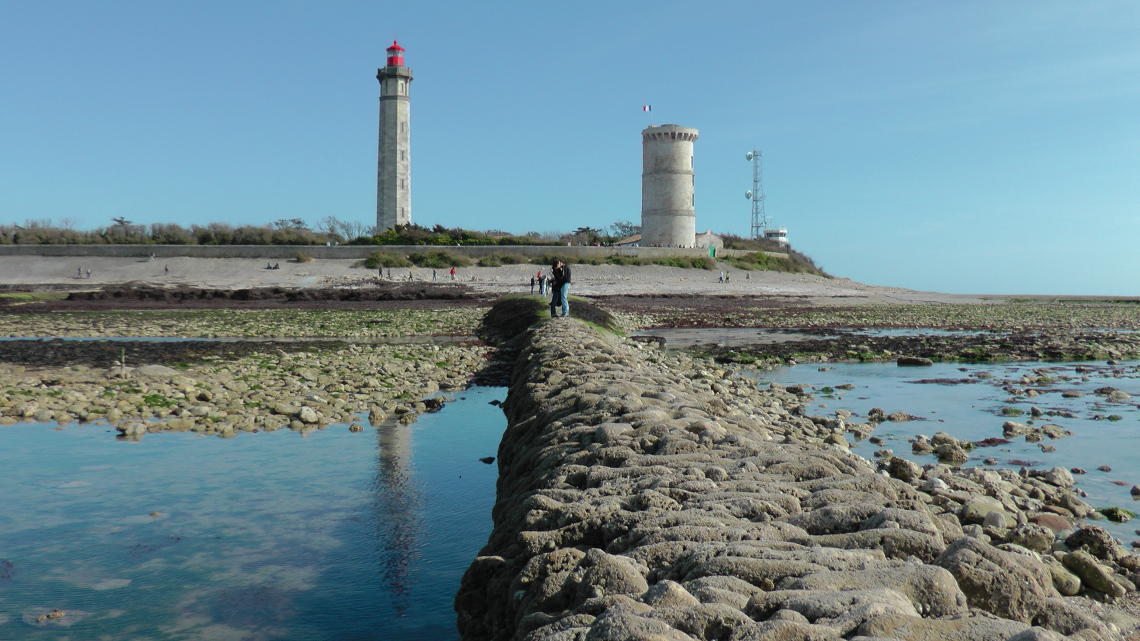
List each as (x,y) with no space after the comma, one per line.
(760,261)
(156,400)
(20,298)
(378,259)
(439,259)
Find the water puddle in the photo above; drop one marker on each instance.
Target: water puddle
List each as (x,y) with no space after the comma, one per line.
(684,338)
(269,536)
(962,402)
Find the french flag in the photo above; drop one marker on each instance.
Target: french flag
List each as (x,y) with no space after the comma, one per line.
(647,107)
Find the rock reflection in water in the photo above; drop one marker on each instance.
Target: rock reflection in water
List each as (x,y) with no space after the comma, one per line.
(397,512)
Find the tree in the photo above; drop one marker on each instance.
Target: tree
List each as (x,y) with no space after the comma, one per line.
(623,229)
(290,223)
(121,221)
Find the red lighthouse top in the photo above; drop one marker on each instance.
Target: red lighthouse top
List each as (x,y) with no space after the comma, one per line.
(395,55)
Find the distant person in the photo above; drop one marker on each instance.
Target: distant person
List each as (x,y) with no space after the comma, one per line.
(409,275)
(726,276)
(276,265)
(89,272)
(452,273)
(389,273)
(541,283)
(560,289)
(380,272)
(532,284)
(747,276)
(433,274)
(79,272)
(268,265)
(721,280)
(166,269)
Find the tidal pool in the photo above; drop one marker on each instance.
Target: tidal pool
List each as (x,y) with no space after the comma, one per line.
(951,398)
(267,536)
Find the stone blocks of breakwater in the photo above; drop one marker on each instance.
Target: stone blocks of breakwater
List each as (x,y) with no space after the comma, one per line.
(640,502)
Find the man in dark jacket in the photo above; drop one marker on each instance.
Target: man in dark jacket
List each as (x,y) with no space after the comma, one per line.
(560,288)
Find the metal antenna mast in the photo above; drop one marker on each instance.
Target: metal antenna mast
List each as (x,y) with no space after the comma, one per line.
(759,218)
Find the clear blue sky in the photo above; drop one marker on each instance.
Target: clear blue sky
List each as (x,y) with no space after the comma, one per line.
(955,146)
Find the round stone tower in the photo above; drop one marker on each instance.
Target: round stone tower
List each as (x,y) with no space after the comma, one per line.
(667,200)
(394,164)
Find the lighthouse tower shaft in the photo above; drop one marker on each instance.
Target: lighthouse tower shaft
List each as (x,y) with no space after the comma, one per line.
(667,187)
(393,173)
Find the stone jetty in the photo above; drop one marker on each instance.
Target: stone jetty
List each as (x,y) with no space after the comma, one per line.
(648,496)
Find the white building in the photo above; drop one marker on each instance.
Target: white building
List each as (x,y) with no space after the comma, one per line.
(668,201)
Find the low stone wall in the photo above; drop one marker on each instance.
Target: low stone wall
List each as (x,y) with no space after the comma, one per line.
(642,497)
(344,251)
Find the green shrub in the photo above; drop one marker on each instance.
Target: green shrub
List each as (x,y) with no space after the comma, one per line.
(302,257)
(439,258)
(687,262)
(793,261)
(498,259)
(386,259)
(626,260)
(548,259)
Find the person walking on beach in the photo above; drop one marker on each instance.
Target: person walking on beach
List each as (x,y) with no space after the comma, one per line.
(721,278)
(166,269)
(433,274)
(452,273)
(532,284)
(79,272)
(560,289)
(541,283)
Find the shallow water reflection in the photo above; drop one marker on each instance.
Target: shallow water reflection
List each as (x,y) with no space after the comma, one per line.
(952,398)
(266,536)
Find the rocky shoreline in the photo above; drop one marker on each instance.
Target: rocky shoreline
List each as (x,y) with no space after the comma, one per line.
(645,494)
(987,347)
(229,388)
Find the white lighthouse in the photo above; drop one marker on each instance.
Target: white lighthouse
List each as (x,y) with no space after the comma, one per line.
(667,187)
(394,164)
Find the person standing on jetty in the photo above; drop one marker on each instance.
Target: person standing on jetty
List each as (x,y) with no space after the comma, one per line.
(560,289)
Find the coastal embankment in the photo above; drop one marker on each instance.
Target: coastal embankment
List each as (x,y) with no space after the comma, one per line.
(645,494)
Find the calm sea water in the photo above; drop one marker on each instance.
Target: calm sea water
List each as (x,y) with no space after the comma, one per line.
(973,411)
(265,536)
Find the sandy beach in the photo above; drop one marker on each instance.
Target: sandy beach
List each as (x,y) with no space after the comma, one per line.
(589,280)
